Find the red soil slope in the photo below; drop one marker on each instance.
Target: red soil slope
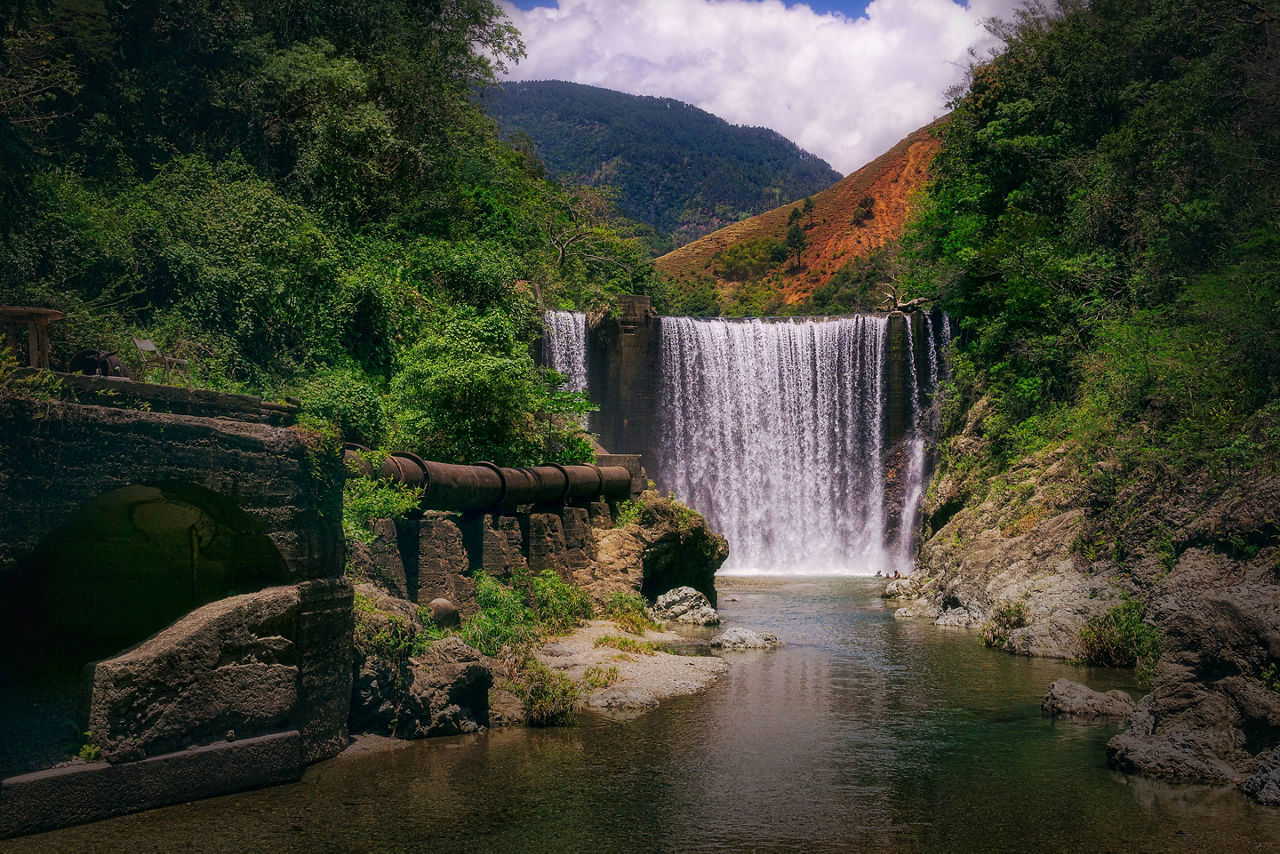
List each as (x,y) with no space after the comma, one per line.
(834,239)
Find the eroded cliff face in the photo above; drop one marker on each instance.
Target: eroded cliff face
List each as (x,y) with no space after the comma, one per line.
(1066,540)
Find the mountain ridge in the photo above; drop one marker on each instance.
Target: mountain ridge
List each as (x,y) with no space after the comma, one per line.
(678,168)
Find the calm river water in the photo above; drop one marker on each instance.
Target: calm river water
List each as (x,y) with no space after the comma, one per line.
(863,734)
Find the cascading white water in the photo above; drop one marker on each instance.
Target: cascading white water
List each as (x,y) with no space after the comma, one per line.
(773,430)
(565,347)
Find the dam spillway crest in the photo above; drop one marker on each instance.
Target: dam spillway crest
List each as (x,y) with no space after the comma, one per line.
(801,440)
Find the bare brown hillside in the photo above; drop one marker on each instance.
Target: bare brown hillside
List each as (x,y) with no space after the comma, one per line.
(835,238)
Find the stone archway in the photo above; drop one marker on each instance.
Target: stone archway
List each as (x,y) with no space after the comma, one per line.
(122,567)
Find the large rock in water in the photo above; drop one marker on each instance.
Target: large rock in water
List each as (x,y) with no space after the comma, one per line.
(685,605)
(1071,698)
(1210,715)
(1265,785)
(738,638)
(667,546)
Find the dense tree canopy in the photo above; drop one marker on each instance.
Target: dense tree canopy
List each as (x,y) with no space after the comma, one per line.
(298,198)
(1105,220)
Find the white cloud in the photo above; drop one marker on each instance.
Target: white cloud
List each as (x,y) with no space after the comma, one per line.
(845,89)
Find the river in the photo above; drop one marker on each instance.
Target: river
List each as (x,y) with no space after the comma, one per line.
(863,733)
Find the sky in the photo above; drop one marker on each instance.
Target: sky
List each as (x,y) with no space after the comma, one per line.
(844,80)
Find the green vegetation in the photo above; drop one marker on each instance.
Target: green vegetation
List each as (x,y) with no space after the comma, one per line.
(865,210)
(1104,219)
(628,512)
(88,751)
(796,242)
(550,698)
(750,259)
(626,645)
(504,619)
(858,286)
(1120,638)
(391,640)
(366,499)
(557,605)
(1005,617)
(679,170)
(600,677)
(514,617)
(302,201)
(1271,677)
(630,613)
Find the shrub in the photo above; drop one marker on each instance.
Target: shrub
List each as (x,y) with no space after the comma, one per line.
(600,677)
(503,621)
(1005,617)
(626,644)
(628,512)
(630,613)
(558,606)
(864,211)
(349,400)
(550,698)
(1120,638)
(365,499)
(469,390)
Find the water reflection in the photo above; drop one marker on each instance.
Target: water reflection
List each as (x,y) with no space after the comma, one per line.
(861,734)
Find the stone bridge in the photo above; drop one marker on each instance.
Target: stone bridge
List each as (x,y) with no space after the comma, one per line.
(223,534)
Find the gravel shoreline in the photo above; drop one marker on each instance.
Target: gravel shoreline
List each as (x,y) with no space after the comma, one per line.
(642,680)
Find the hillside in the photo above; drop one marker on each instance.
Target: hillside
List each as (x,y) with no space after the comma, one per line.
(678,169)
(836,233)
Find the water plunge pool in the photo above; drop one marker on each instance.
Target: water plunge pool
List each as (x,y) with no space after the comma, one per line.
(863,733)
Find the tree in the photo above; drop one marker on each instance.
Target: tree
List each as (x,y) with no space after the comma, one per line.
(807,209)
(797,240)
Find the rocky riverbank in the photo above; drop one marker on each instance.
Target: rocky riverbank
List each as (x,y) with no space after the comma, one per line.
(419,674)
(1033,555)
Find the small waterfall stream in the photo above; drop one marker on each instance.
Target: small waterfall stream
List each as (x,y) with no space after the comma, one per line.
(779,432)
(565,347)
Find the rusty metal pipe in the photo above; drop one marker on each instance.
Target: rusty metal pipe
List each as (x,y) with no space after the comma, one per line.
(485,486)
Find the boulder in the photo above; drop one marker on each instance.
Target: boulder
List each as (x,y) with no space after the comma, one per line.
(666,546)
(229,666)
(442,691)
(685,605)
(1211,716)
(448,691)
(959,618)
(444,614)
(738,638)
(1071,698)
(1265,785)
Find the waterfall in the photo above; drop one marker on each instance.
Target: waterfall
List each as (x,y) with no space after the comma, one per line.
(776,431)
(565,347)
(803,441)
(773,430)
